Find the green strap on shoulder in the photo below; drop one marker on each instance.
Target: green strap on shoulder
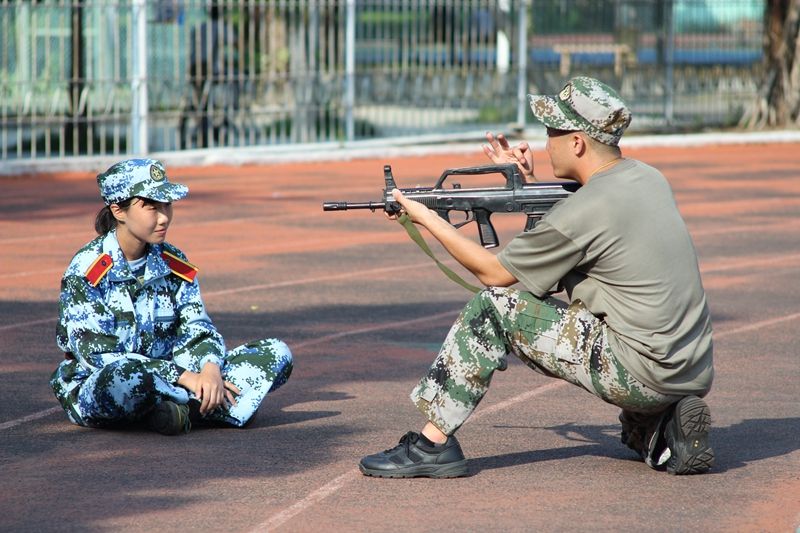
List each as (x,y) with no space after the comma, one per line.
(415,235)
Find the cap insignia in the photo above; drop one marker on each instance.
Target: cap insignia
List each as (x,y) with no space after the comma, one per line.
(156,173)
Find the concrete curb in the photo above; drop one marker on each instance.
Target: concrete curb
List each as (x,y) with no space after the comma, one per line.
(417,146)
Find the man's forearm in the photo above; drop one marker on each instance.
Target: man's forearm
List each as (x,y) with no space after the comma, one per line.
(483,264)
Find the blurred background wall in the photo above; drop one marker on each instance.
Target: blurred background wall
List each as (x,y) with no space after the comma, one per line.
(103,77)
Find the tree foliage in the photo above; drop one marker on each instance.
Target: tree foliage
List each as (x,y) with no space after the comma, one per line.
(778,100)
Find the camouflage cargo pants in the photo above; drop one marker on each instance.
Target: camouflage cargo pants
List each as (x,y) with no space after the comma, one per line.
(551,337)
(127,390)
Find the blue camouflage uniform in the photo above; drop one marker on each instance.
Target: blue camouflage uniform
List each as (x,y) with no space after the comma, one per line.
(127,339)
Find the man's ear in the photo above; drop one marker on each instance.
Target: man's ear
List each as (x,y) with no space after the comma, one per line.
(578,143)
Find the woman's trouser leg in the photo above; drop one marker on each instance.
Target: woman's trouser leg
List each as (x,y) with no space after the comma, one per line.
(256,368)
(120,393)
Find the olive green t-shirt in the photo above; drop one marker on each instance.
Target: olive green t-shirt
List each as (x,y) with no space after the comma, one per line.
(620,246)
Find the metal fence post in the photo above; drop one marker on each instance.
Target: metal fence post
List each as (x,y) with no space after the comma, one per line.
(669,61)
(503,44)
(75,74)
(139,133)
(522,63)
(349,70)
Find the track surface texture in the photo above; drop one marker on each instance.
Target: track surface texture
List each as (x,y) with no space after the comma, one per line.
(364,312)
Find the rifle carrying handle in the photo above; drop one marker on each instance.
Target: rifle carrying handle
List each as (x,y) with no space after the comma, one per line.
(509,171)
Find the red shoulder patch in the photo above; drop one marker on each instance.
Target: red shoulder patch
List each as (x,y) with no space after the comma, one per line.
(99,268)
(182,269)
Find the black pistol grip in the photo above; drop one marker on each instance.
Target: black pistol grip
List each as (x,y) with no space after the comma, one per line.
(486,231)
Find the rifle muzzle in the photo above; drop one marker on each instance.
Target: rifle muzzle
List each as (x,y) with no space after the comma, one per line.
(344,206)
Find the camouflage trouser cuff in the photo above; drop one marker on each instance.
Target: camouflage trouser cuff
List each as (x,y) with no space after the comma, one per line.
(426,396)
(644,434)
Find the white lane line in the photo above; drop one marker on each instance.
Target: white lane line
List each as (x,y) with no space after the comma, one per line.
(304,245)
(311,342)
(733,264)
(756,325)
(319,340)
(318,279)
(25,273)
(29,418)
(519,398)
(376,327)
(280,218)
(783,227)
(265,286)
(48,237)
(28,323)
(332,277)
(318,495)
(339,482)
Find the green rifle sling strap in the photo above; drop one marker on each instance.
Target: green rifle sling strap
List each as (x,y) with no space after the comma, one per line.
(415,235)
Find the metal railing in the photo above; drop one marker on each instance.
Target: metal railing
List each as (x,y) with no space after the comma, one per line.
(103,77)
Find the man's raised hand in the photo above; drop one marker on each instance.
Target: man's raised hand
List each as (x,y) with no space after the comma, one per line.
(500,152)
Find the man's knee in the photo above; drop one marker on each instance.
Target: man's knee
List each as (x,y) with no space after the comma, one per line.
(487,305)
(490,296)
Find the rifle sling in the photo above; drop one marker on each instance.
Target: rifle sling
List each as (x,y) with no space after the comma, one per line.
(415,235)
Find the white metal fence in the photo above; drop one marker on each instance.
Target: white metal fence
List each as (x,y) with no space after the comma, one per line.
(102,77)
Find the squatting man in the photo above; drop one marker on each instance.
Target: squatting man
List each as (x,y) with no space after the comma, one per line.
(636,329)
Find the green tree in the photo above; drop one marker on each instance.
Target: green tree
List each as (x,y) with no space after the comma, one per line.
(778,101)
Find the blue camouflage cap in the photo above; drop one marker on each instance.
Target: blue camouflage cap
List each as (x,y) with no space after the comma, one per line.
(587,105)
(145,178)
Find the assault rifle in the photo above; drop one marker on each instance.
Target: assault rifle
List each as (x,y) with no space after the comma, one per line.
(478,204)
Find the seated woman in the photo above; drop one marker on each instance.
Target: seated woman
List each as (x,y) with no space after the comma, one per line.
(139,345)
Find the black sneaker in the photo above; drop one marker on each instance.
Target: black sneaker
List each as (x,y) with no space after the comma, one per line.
(687,438)
(169,418)
(413,458)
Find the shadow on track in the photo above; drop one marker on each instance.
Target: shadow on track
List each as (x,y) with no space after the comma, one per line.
(735,446)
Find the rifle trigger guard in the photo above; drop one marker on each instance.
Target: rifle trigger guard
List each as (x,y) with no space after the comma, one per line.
(470,218)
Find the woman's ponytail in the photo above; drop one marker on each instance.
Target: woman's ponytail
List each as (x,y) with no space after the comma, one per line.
(105,220)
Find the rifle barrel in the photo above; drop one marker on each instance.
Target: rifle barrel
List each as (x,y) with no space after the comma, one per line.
(344,206)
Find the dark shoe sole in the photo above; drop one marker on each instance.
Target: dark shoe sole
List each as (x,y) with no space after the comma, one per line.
(450,470)
(688,438)
(169,418)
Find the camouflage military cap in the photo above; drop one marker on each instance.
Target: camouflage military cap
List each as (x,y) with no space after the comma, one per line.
(584,104)
(145,178)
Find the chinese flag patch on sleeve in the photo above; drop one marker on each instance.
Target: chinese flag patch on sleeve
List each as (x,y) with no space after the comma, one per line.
(99,268)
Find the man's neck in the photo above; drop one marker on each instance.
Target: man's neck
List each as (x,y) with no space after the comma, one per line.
(597,164)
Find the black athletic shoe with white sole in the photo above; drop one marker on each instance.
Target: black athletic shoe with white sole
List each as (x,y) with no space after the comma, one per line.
(412,457)
(687,438)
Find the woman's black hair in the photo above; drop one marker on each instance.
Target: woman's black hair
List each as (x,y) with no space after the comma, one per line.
(105,221)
